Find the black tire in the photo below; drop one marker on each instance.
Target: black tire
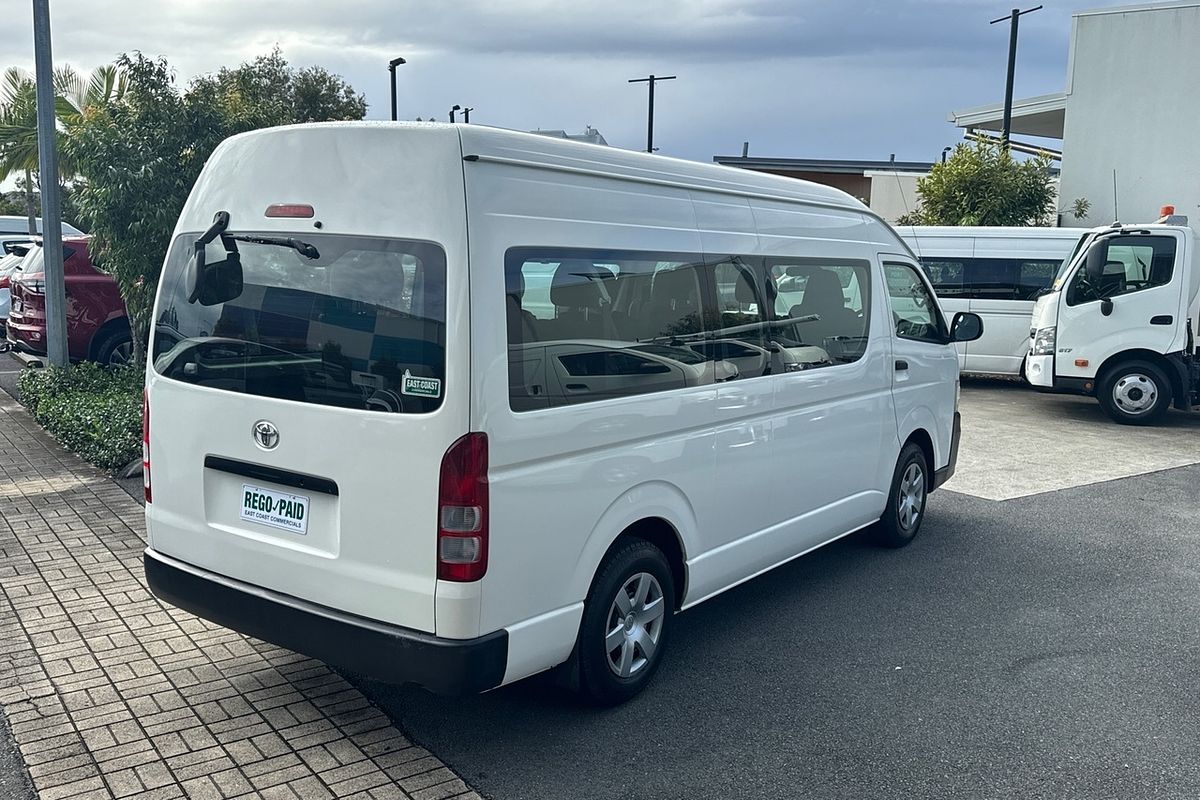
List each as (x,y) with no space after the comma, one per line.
(1134,393)
(111,349)
(899,525)
(599,680)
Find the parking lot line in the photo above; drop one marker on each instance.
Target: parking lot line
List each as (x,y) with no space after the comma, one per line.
(109,693)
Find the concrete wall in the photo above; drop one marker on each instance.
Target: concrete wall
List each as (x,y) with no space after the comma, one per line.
(893,193)
(1133,105)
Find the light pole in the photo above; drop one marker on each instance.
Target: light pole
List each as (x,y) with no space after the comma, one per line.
(395,62)
(467,114)
(651,80)
(1015,18)
(945,150)
(52,250)
(454,108)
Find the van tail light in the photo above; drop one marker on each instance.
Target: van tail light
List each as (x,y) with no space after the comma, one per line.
(463,510)
(146,444)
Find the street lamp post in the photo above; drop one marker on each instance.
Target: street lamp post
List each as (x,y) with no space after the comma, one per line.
(52,250)
(467,114)
(454,108)
(1015,20)
(945,150)
(395,62)
(650,80)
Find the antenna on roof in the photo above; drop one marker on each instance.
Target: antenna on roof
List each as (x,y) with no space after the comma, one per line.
(1116,213)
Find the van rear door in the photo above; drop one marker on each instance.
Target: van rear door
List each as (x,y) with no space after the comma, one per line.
(300,408)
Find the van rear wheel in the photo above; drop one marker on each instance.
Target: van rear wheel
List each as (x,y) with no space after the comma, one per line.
(626,622)
(1135,393)
(905,510)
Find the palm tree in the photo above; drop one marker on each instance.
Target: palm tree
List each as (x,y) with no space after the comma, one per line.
(73,97)
(18,133)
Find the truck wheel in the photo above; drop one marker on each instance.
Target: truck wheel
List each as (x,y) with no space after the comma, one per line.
(116,350)
(905,510)
(1135,393)
(626,620)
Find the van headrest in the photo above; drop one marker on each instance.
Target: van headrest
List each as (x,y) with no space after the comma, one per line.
(743,289)
(580,284)
(823,288)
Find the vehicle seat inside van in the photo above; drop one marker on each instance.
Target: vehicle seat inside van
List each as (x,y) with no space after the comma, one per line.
(581,293)
(674,296)
(521,325)
(823,298)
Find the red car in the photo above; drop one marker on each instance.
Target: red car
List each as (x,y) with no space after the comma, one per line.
(97,325)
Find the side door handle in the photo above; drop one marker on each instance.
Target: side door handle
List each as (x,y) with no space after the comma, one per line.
(901,364)
(1162,319)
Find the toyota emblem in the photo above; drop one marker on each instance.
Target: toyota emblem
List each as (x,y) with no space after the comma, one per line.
(266,435)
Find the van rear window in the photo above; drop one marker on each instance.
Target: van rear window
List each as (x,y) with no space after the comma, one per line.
(361,326)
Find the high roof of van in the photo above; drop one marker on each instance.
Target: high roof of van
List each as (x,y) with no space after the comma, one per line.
(998,231)
(488,143)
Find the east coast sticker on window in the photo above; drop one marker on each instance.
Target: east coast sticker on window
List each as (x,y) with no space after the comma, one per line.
(416,386)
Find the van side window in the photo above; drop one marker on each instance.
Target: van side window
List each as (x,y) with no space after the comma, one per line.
(914,309)
(1134,263)
(822,305)
(585,325)
(989,278)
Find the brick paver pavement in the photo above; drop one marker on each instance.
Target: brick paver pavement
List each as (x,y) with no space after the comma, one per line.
(112,694)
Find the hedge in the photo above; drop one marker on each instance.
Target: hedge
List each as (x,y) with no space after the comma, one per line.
(93,410)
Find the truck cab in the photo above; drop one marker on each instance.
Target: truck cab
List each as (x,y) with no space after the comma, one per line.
(1118,322)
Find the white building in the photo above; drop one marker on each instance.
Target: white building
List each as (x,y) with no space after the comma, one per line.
(1130,113)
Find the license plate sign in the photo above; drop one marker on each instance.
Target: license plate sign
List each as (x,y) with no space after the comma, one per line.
(288,512)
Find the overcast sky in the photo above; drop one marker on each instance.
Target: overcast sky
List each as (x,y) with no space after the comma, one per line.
(797,78)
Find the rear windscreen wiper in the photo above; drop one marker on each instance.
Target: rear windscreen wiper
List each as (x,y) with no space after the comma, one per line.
(303,248)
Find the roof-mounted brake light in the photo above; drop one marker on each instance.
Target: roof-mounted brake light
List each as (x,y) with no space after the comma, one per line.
(295,210)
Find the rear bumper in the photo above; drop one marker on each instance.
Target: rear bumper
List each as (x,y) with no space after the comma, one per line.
(385,652)
(947,472)
(26,338)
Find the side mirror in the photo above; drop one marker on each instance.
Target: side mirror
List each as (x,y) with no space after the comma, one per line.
(1106,306)
(967,327)
(1097,257)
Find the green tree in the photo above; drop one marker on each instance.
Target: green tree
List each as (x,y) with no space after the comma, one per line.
(18,134)
(268,91)
(139,156)
(18,122)
(137,164)
(982,184)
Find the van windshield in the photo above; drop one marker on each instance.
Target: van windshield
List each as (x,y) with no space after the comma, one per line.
(363,326)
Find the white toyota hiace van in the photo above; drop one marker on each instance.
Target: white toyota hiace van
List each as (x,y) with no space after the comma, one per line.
(454,405)
(996,272)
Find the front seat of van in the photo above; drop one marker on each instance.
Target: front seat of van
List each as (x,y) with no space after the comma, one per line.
(823,298)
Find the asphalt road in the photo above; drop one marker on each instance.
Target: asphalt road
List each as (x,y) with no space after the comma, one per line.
(1041,647)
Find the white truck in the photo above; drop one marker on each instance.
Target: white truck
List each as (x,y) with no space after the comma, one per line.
(1119,319)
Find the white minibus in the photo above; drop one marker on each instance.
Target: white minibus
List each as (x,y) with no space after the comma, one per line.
(996,272)
(454,405)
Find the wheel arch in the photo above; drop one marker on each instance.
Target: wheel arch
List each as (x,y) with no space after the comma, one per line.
(656,512)
(104,331)
(922,439)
